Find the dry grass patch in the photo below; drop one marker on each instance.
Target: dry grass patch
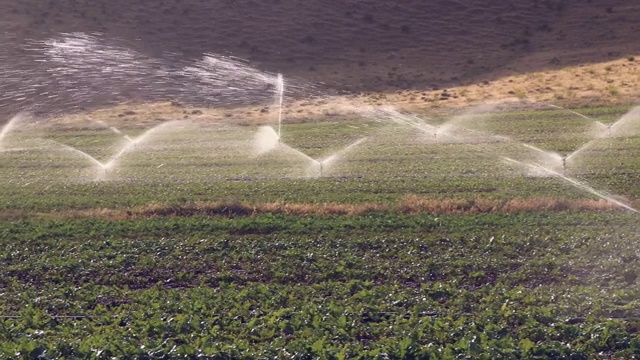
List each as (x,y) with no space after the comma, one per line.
(412,205)
(417,205)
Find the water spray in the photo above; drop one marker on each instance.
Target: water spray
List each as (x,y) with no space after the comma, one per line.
(279,100)
(133,142)
(569,110)
(10,125)
(98,164)
(607,127)
(111,163)
(114,130)
(574,182)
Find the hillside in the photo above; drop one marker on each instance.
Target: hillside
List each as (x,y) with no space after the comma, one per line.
(355,45)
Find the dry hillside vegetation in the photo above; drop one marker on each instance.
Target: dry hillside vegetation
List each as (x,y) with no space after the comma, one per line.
(606,83)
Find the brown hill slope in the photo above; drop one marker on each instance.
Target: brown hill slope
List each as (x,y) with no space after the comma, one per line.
(356,44)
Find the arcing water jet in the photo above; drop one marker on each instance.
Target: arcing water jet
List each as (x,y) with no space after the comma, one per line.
(133,143)
(632,117)
(110,164)
(75,71)
(267,139)
(574,182)
(606,127)
(101,168)
(217,79)
(279,100)
(115,130)
(10,125)
(613,129)
(552,157)
(390,113)
(443,131)
(332,159)
(569,110)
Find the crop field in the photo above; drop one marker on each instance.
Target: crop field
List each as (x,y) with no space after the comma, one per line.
(501,233)
(180,161)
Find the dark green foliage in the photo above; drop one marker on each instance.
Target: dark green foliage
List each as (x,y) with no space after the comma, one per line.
(484,286)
